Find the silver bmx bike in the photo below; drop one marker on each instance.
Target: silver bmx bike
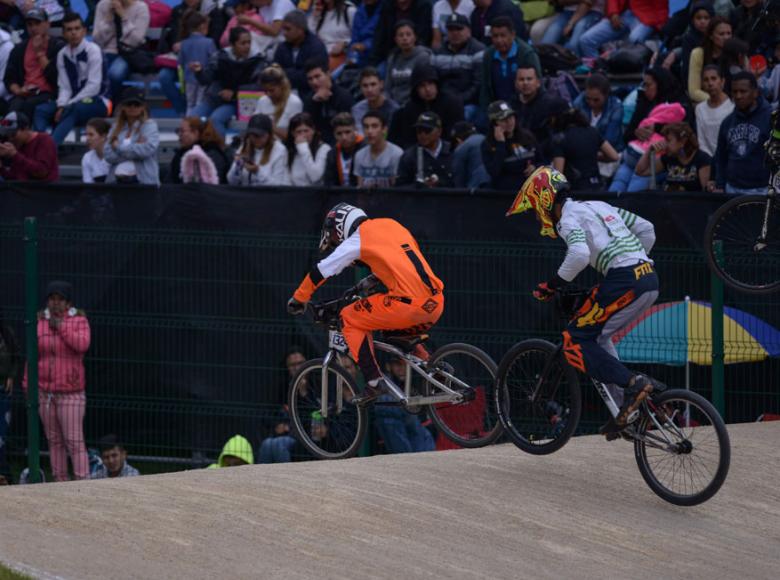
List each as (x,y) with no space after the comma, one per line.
(454,386)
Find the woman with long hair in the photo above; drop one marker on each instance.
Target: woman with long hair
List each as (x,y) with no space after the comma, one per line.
(261,158)
(710,52)
(659,102)
(279,102)
(687,167)
(227,71)
(577,148)
(133,144)
(331,20)
(307,154)
(197,132)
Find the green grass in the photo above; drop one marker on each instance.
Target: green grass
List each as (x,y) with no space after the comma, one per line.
(8,574)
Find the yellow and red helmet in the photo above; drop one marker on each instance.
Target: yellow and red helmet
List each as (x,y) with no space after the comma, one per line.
(538,193)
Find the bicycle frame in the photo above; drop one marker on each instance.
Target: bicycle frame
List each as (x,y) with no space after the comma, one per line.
(403,397)
(601,388)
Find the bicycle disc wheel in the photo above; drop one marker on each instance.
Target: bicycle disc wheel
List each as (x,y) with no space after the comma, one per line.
(737,226)
(543,423)
(338,435)
(472,423)
(686,460)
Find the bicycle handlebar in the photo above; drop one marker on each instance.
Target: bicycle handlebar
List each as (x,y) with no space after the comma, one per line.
(327,311)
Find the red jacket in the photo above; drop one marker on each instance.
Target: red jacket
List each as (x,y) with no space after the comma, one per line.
(653,13)
(61,353)
(36,161)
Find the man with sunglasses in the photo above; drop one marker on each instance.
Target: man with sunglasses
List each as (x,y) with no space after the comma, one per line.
(429,163)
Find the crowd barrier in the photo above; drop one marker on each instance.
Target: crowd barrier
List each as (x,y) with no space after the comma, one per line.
(185,288)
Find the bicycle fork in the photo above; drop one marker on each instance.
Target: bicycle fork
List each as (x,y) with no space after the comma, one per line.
(761,241)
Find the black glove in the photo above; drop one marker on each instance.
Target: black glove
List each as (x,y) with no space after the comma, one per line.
(294,307)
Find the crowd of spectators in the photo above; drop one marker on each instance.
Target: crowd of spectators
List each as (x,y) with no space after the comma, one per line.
(384,93)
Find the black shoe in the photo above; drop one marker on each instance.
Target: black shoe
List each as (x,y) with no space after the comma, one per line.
(371,394)
(611,430)
(633,396)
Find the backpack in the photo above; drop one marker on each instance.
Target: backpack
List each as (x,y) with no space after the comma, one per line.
(562,85)
(159,13)
(628,59)
(554,57)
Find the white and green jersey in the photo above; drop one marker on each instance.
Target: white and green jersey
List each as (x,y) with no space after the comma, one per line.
(603,236)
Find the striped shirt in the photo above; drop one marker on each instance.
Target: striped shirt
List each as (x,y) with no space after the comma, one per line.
(603,236)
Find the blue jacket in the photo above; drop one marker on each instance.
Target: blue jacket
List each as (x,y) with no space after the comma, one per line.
(467,165)
(739,157)
(363,30)
(610,125)
(312,48)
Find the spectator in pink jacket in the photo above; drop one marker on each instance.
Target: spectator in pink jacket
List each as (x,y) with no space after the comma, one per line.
(63,339)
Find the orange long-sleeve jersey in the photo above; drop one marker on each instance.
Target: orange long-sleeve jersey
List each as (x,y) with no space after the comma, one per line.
(391,252)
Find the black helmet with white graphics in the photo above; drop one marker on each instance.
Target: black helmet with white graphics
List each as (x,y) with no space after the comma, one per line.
(340,223)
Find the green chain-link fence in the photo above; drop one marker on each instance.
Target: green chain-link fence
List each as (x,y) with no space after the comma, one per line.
(189,329)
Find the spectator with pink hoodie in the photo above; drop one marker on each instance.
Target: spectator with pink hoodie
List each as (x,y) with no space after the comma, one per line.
(659,102)
(63,339)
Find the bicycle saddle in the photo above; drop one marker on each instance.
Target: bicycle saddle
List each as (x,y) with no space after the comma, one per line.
(405,342)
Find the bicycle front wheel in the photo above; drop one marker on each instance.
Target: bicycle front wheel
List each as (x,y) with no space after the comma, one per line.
(337,435)
(473,423)
(745,264)
(538,421)
(682,447)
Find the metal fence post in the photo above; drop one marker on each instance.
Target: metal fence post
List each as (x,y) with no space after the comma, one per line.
(31,339)
(718,351)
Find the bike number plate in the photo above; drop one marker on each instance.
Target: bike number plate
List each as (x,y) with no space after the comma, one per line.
(336,341)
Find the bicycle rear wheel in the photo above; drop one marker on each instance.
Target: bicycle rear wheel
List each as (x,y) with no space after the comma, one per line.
(682,447)
(340,434)
(737,226)
(543,423)
(472,423)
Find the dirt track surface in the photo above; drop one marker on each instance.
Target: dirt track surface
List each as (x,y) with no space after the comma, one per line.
(583,512)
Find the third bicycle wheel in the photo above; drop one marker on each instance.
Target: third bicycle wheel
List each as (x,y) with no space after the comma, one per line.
(745,265)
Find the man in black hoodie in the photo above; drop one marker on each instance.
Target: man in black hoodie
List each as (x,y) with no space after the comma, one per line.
(426,96)
(31,72)
(738,162)
(326,100)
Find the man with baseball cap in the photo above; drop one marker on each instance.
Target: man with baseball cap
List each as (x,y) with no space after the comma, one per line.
(429,163)
(31,72)
(443,10)
(25,154)
(458,61)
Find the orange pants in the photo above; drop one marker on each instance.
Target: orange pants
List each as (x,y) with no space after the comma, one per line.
(384,312)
